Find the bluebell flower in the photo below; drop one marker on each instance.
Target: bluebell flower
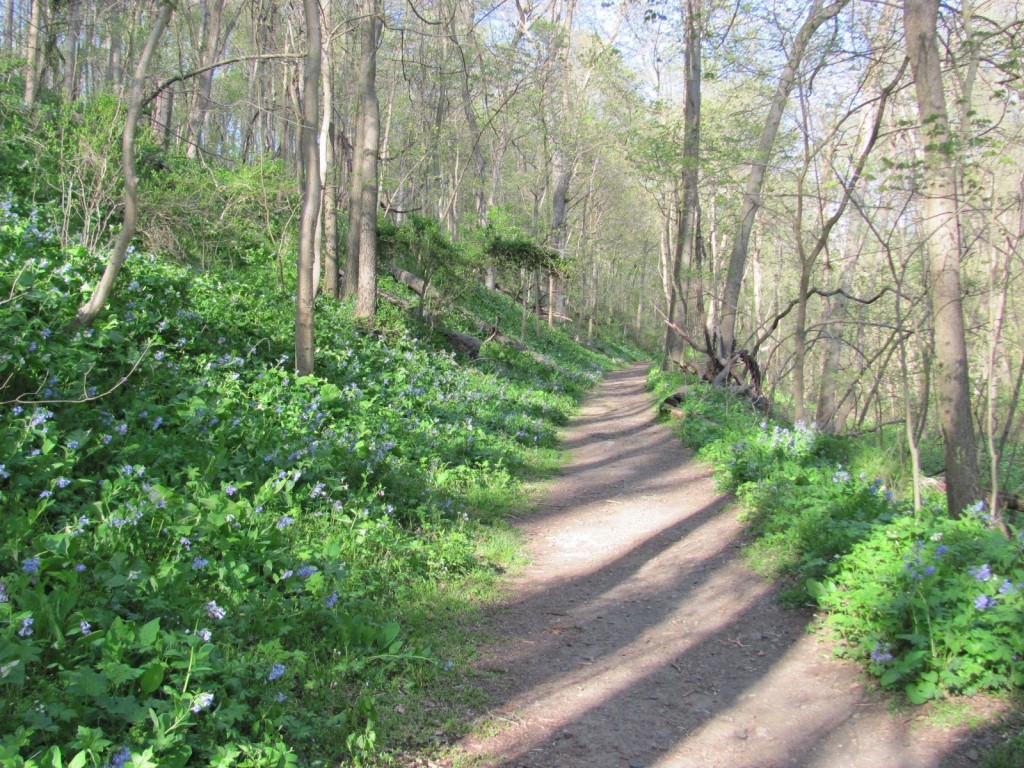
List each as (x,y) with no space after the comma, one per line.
(4,597)
(332,599)
(205,635)
(1007,588)
(185,543)
(306,571)
(63,482)
(199,562)
(981,573)
(157,422)
(941,550)
(202,701)
(80,567)
(981,602)
(26,627)
(45,494)
(30,565)
(214,611)
(280,698)
(230,490)
(285,521)
(3,472)
(120,758)
(85,627)
(276,672)
(73,445)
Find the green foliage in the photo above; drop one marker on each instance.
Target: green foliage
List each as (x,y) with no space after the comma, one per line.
(928,603)
(507,245)
(212,215)
(420,246)
(205,559)
(933,604)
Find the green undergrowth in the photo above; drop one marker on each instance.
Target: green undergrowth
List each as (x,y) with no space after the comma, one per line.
(208,560)
(931,605)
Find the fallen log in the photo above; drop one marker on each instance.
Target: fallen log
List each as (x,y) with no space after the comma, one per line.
(415,282)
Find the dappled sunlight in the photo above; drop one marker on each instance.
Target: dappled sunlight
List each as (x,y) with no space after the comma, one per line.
(637,637)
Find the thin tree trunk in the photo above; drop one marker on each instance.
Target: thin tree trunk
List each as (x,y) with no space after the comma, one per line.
(9,43)
(944,249)
(751,201)
(88,312)
(304,351)
(71,69)
(683,299)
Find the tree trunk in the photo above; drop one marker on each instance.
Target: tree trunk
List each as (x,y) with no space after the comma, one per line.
(310,191)
(91,309)
(751,201)
(71,70)
(366,301)
(682,302)
(944,248)
(33,53)
(8,43)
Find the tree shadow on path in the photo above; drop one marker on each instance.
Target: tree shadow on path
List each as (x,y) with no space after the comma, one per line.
(637,637)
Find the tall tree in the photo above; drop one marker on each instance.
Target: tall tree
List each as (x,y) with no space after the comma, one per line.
(34,52)
(941,228)
(363,214)
(306,292)
(679,305)
(91,309)
(751,202)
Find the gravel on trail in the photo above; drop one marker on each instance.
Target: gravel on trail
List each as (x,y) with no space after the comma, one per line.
(638,638)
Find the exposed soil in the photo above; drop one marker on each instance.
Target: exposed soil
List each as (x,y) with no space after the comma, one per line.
(637,636)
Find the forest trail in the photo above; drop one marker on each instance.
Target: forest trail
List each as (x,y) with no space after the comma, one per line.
(637,636)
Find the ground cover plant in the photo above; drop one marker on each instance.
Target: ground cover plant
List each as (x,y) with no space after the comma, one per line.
(930,604)
(205,559)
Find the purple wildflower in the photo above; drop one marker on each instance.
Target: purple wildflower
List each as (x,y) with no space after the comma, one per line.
(202,701)
(981,573)
(276,671)
(981,602)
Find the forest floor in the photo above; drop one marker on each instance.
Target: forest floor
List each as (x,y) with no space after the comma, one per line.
(638,637)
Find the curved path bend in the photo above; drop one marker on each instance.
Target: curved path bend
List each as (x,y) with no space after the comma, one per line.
(638,638)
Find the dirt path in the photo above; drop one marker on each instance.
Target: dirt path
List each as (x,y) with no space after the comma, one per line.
(637,637)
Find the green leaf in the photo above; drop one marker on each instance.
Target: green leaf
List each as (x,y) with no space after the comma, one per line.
(118,672)
(148,633)
(330,392)
(388,634)
(152,677)
(920,692)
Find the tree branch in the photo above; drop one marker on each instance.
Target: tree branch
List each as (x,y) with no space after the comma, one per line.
(223,63)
